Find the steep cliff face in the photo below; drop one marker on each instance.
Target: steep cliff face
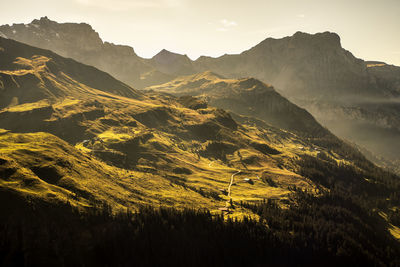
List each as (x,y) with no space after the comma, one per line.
(82,43)
(385,76)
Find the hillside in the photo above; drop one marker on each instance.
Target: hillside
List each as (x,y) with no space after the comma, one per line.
(247,97)
(29,74)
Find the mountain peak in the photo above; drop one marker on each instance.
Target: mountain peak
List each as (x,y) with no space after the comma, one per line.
(252,83)
(321,38)
(173,63)
(43,21)
(210,75)
(164,53)
(303,39)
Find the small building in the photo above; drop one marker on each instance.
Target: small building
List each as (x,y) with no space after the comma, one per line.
(248,180)
(226,210)
(85,143)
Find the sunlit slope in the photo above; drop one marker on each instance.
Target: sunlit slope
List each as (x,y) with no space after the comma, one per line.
(182,156)
(40,165)
(29,74)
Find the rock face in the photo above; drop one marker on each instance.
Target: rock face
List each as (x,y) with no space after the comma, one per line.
(82,43)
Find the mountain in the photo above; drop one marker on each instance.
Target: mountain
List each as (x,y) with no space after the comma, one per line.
(85,162)
(301,65)
(172,63)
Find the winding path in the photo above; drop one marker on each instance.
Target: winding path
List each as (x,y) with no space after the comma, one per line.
(230,184)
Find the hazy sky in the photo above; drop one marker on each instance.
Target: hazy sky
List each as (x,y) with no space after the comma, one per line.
(368,28)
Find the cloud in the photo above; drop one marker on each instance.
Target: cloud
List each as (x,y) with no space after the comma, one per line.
(226,25)
(118,5)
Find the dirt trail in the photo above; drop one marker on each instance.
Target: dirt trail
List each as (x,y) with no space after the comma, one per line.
(230,184)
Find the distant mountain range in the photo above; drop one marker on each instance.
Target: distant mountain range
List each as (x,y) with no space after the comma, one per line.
(355,99)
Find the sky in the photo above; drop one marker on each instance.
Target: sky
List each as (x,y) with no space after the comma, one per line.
(370,29)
